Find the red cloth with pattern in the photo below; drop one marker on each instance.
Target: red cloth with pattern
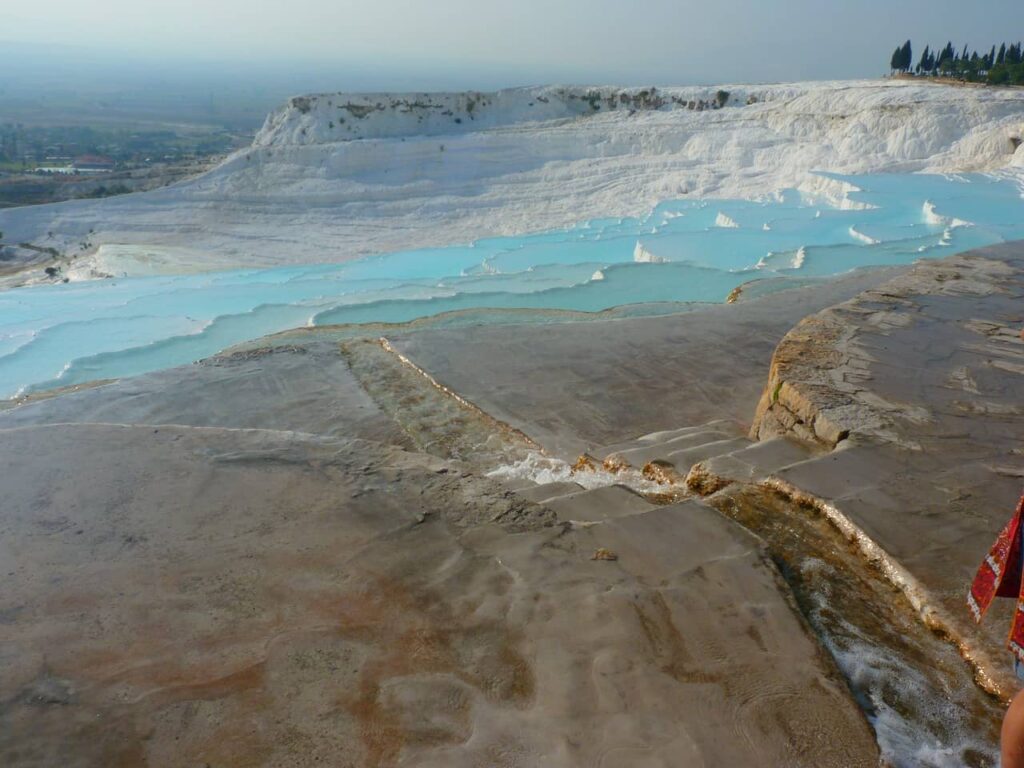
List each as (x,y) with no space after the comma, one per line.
(1000,576)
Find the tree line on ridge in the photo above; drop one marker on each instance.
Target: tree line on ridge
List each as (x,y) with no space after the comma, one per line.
(1002,66)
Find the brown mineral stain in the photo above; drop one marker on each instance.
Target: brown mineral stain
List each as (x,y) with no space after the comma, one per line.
(667,645)
(415,637)
(247,678)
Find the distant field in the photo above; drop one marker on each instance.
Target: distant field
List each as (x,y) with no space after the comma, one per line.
(141,157)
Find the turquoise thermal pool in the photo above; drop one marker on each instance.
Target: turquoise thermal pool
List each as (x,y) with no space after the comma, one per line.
(682,251)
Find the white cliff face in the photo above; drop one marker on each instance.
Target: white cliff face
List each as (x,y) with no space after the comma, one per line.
(326,118)
(336,176)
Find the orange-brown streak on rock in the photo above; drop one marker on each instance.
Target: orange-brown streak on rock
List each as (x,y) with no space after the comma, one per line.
(245,679)
(417,637)
(667,644)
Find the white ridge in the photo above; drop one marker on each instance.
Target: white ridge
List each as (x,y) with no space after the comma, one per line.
(868,239)
(725,221)
(387,172)
(931,216)
(642,256)
(801,255)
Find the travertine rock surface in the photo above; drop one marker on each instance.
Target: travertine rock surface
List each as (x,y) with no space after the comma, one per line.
(920,383)
(196,574)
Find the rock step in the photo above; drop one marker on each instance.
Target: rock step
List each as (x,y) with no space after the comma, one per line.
(548,491)
(638,457)
(674,539)
(594,506)
(759,460)
(719,425)
(686,458)
(519,484)
(848,471)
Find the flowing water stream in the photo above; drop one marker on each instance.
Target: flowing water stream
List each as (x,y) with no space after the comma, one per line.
(917,691)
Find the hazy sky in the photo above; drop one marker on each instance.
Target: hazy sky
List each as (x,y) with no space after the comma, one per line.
(440,43)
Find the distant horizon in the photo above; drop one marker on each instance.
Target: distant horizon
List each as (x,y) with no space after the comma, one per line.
(95,60)
(458,45)
(85,82)
(37,62)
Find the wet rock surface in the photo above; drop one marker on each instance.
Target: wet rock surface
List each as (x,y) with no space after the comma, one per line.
(252,561)
(305,388)
(257,598)
(289,554)
(924,378)
(579,385)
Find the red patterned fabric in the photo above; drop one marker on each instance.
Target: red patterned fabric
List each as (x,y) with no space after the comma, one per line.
(1000,576)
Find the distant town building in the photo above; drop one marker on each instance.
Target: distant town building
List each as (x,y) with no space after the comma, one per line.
(63,170)
(93,164)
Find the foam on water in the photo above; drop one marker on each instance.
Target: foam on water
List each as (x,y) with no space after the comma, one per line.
(542,469)
(682,251)
(919,695)
(798,258)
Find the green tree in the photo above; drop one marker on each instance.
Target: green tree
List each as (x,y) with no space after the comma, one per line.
(896,60)
(999,75)
(922,65)
(945,61)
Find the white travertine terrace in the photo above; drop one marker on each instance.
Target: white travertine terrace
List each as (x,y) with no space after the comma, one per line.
(335,176)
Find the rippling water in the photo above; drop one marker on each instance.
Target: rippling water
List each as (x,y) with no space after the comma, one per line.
(918,693)
(56,335)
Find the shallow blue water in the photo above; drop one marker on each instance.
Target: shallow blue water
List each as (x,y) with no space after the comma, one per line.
(684,250)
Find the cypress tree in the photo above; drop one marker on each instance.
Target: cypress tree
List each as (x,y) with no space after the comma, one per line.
(999,66)
(946,58)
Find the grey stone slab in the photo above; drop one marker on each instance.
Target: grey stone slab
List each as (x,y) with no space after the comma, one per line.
(664,436)
(641,454)
(686,458)
(758,460)
(547,491)
(307,389)
(599,504)
(569,388)
(195,595)
(843,472)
